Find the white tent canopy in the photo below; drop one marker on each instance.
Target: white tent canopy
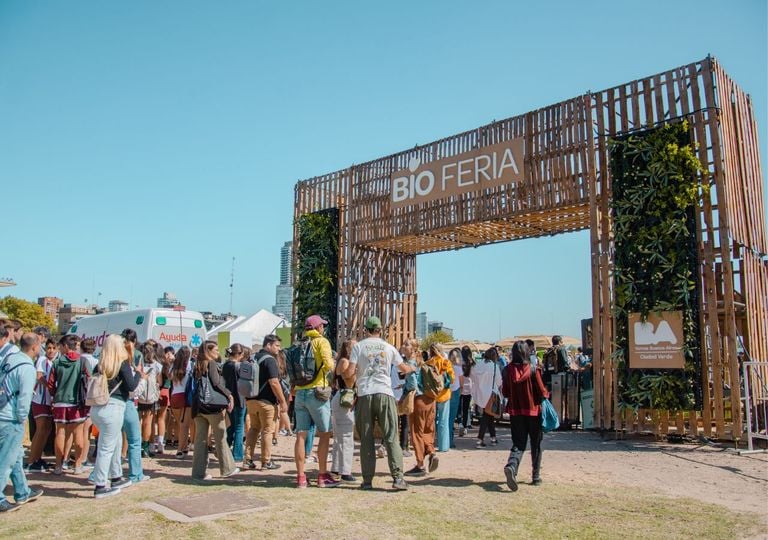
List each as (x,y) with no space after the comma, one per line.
(252,328)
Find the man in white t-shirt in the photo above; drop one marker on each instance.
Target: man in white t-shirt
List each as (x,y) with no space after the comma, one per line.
(376,403)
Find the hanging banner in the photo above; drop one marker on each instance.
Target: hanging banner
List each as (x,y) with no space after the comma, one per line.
(656,343)
(481,168)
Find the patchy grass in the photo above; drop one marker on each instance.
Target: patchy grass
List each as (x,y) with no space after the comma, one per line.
(433,508)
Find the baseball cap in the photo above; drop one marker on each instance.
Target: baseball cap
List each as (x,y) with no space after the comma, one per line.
(372,323)
(313,321)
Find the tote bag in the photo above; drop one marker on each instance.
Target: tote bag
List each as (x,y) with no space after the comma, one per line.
(549,419)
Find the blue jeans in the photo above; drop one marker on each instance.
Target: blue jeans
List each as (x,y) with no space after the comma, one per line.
(109,419)
(310,441)
(455,399)
(311,410)
(12,459)
(132,429)
(235,432)
(442,433)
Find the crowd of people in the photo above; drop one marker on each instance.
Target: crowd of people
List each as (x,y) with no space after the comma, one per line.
(134,401)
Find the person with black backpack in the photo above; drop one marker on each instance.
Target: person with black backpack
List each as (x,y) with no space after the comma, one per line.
(555,361)
(211,399)
(260,385)
(310,363)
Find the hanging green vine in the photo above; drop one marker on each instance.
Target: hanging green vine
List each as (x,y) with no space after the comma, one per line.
(317,273)
(656,184)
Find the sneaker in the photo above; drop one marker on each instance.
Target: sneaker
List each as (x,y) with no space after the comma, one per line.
(327,481)
(511,480)
(58,471)
(250,464)
(103,491)
(160,449)
(462,431)
(274,442)
(301,481)
(7,506)
(348,479)
(399,484)
(380,452)
(233,472)
(480,444)
(179,454)
(406,453)
(416,471)
(34,494)
(366,486)
(120,482)
(536,481)
(284,432)
(312,459)
(270,466)
(434,461)
(494,441)
(37,466)
(80,470)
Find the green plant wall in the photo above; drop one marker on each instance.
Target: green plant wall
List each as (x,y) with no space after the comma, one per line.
(656,186)
(317,273)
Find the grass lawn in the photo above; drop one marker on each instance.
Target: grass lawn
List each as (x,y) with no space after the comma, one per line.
(440,507)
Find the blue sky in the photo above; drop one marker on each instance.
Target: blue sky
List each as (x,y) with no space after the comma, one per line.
(144,144)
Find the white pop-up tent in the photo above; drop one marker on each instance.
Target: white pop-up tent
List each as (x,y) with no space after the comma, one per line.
(250,331)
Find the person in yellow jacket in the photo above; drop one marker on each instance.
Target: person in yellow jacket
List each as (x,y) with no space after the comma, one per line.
(443,399)
(312,405)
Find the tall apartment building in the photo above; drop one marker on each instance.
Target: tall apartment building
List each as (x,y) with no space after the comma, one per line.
(284,291)
(51,306)
(421,325)
(168,301)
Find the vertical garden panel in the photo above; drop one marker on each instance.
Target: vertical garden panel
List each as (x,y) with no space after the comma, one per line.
(656,184)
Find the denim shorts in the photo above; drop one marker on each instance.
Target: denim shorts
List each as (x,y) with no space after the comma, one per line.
(311,410)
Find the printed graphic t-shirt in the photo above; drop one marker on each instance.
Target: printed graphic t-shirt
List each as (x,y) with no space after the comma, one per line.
(374,358)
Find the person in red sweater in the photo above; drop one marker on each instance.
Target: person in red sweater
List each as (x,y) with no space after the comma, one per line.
(524,390)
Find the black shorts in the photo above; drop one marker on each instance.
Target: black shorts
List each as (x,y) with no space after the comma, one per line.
(142,407)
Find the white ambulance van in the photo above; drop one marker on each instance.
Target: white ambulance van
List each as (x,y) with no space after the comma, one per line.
(166,326)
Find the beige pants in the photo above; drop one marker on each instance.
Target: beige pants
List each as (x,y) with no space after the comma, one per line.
(263,416)
(223,453)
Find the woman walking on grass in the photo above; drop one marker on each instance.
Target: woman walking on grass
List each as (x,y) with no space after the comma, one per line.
(524,390)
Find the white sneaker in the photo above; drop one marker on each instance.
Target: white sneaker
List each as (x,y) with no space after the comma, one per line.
(233,473)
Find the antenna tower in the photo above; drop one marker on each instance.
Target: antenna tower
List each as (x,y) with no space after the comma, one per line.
(231,285)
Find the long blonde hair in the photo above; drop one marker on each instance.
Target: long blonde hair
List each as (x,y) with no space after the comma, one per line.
(113,354)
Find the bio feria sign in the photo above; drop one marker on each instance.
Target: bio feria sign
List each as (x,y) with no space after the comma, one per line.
(486,167)
(657,342)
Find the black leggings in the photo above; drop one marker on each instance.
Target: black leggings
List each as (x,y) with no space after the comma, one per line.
(487,422)
(523,429)
(402,420)
(466,418)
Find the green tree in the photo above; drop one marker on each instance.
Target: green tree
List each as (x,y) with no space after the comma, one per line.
(29,313)
(435,337)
